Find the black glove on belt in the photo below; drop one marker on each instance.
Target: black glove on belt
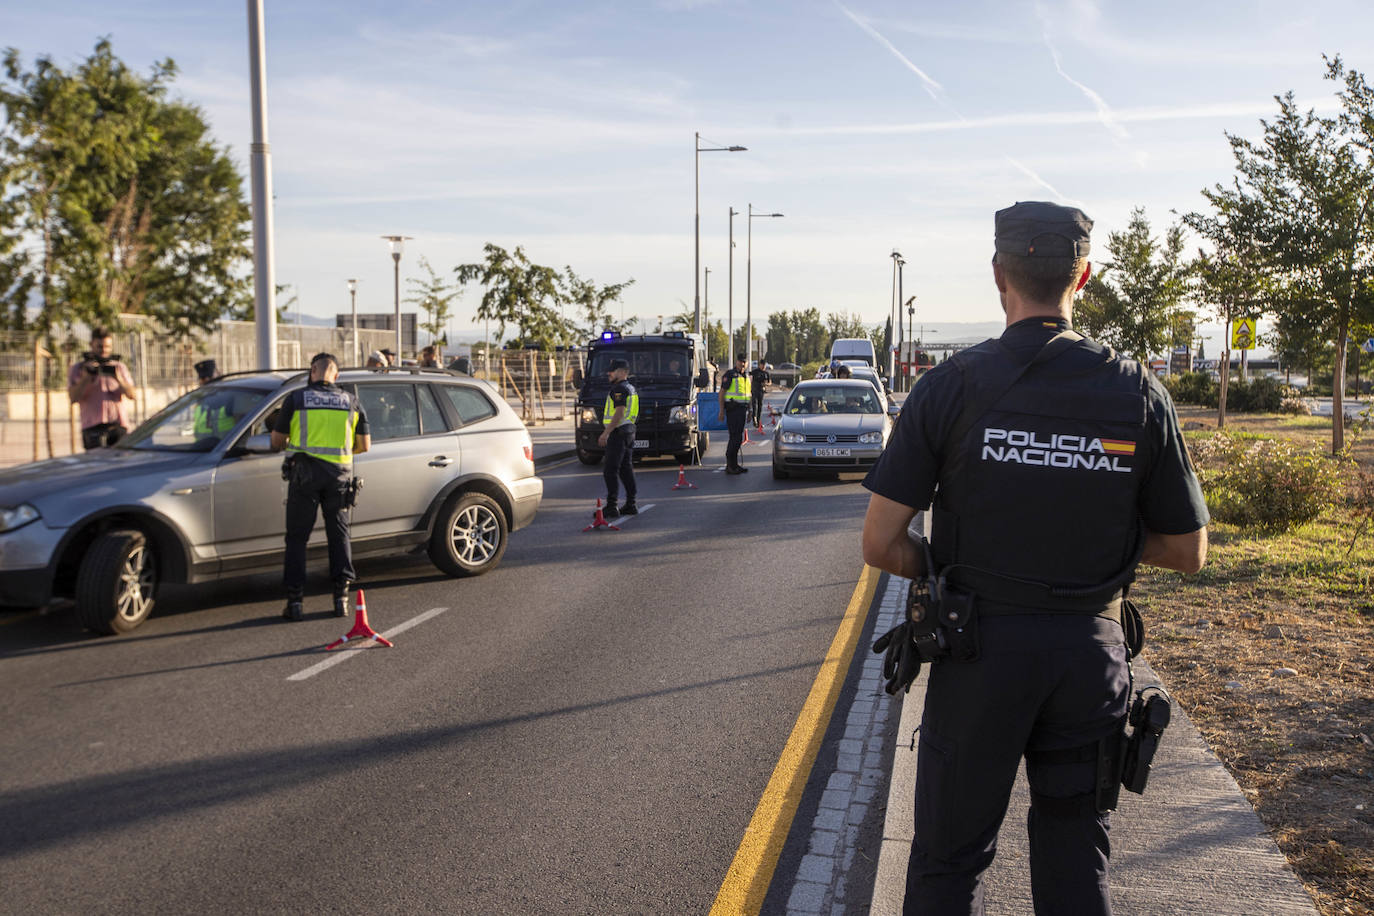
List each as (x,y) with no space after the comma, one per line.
(902,663)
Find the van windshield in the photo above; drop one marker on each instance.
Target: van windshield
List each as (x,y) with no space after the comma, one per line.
(667,363)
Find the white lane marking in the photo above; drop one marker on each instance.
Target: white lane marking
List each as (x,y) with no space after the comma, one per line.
(345,654)
(642,509)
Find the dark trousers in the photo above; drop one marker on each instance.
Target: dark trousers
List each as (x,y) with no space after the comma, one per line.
(101,435)
(756,406)
(317,486)
(619,463)
(1043,683)
(735,413)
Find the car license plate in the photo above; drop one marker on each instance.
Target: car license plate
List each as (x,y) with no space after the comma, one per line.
(641,443)
(832,453)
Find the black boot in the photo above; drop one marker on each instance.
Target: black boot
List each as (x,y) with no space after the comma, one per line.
(610,511)
(295,609)
(629,508)
(341,605)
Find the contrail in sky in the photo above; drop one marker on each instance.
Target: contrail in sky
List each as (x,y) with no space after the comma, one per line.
(931,86)
(1025,170)
(1104,111)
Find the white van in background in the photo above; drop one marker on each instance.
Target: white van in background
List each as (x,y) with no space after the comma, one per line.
(854,348)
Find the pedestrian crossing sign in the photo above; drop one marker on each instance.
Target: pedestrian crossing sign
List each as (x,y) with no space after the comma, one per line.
(1243,334)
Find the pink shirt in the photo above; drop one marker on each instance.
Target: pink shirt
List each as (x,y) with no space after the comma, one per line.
(104,400)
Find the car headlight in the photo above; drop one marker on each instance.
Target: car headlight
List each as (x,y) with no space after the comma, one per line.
(589,415)
(681,414)
(792,438)
(871,438)
(12,517)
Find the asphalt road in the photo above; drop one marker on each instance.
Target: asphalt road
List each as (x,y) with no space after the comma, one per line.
(586,729)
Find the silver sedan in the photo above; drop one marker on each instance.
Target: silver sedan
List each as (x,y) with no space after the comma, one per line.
(830,426)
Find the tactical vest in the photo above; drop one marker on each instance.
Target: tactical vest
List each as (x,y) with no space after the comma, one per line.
(322,425)
(738,389)
(1038,499)
(631,409)
(210,421)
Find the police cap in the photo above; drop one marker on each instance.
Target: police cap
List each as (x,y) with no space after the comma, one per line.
(206,370)
(1037,228)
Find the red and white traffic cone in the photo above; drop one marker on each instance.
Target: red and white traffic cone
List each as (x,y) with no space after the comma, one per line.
(682,482)
(746,436)
(361,628)
(599,520)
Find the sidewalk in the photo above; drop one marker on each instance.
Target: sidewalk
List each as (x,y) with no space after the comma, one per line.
(1191,844)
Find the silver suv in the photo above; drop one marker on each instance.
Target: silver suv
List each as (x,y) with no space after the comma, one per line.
(195,493)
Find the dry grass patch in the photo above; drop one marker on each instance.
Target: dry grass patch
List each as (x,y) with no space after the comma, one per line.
(1270,649)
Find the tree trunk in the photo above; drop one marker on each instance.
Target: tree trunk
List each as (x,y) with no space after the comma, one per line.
(37,373)
(1338,389)
(1221,393)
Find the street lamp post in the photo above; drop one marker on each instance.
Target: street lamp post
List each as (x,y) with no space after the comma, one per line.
(902,338)
(749,282)
(353,300)
(911,333)
(894,318)
(730,311)
(706,314)
(696,172)
(398,244)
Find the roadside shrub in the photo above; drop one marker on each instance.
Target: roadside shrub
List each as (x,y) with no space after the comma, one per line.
(1259,395)
(1265,485)
(1192,388)
(1295,406)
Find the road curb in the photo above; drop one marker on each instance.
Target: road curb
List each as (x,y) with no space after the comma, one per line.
(546,460)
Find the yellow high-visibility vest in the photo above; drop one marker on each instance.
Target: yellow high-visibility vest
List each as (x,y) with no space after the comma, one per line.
(322,425)
(631,410)
(738,389)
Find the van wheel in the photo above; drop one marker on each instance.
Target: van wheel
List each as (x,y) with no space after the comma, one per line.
(703,443)
(469,536)
(587,457)
(116,583)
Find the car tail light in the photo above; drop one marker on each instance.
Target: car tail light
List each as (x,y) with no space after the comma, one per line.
(529,452)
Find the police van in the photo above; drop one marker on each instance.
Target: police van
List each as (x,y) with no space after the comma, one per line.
(665,370)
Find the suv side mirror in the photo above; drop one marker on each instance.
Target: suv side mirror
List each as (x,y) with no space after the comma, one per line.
(261,444)
(577,377)
(703,379)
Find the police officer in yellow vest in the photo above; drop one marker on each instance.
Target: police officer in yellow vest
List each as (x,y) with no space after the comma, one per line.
(619,415)
(734,409)
(213,416)
(322,427)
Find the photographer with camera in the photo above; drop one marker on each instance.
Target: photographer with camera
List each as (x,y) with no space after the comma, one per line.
(99,384)
(1055,466)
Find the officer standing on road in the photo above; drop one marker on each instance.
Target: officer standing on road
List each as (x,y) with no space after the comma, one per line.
(734,408)
(1059,467)
(322,427)
(758,381)
(618,438)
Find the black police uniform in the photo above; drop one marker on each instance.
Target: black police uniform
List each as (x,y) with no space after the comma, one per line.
(619,461)
(1050,485)
(318,485)
(758,378)
(736,414)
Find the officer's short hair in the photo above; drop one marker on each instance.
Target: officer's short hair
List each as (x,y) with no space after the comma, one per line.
(324,356)
(1041,279)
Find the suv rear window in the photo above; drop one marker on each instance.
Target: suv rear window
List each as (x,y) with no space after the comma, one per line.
(470,403)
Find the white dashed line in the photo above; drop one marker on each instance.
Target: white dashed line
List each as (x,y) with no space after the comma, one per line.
(345,654)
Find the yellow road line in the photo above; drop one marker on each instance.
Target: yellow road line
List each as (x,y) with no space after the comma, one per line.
(746,883)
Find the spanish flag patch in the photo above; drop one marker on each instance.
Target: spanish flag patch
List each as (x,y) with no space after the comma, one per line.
(1118,446)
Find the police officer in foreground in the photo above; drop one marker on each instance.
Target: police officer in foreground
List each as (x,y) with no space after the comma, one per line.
(618,438)
(322,427)
(1059,468)
(734,410)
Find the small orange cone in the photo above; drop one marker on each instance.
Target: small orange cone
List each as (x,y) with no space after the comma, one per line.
(746,436)
(599,520)
(361,628)
(682,482)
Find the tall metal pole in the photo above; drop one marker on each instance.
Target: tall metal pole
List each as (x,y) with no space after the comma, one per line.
(706,312)
(730,313)
(264,273)
(892,326)
(906,376)
(748,290)
(697,150)
(353,296)
(396,261)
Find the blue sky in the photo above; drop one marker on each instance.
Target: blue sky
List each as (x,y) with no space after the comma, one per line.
(567,128)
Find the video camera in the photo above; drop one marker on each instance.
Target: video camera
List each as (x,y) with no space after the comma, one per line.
(104,365)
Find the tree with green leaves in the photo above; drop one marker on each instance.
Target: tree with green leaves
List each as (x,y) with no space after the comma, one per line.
(1130,301)
(516,291)
(434,294)
(1302,198)
(592,304)
(137,209)
(843,324)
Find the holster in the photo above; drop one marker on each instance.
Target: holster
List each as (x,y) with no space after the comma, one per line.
(288,466)
(355,484)
(944,617)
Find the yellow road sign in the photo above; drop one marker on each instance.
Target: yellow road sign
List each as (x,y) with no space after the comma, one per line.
(1243,334)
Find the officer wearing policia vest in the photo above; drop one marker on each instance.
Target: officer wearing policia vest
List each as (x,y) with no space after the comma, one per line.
(322,427)
(619,414)
(734,409)
(1055,466)
(212,416)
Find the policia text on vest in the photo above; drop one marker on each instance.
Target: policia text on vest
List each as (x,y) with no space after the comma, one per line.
(1050,467)
(322,427)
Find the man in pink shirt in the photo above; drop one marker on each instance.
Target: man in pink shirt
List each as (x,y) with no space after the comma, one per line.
(100,383)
